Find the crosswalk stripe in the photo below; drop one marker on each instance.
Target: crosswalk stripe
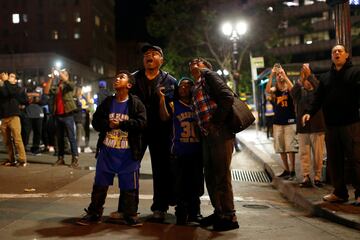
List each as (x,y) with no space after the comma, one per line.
(88,195)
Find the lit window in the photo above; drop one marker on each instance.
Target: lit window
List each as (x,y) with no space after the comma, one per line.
(55,34)
(97,21)
(294,3)
(101,69)
(355,31)
(291,41)
(25,17)
(308,2)
(324,16)
(16,18)
(77,34)
(77,17)
(318,36)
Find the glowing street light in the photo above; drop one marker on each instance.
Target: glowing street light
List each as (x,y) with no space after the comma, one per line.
(234,31)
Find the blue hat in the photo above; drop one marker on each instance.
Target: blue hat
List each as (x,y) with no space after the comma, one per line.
(102,84)
(186,78)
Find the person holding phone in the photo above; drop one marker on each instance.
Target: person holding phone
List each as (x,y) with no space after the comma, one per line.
(64,107)
(284,124)
(11,96)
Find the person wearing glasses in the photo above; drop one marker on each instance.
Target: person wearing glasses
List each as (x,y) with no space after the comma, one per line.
(212,103)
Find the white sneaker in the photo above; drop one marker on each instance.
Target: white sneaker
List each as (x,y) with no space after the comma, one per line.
(116,215)
(79,149)
(87,150)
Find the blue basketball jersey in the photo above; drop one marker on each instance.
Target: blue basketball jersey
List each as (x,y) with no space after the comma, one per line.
(115,155)
(185,130)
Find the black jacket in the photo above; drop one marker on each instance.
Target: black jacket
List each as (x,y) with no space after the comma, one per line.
(147,92)
(222,95)
(302,100)
(134,126)
(11,96)
(339,96)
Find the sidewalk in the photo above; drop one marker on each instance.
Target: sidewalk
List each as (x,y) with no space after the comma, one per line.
(309,199)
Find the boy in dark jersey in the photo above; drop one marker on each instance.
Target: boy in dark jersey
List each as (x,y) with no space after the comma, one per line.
(120,120)
(186,152)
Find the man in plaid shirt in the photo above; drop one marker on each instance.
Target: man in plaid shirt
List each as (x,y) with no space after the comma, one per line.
(212,103)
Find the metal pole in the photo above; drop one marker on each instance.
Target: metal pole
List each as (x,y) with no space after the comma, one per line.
(253,78)
(235,73)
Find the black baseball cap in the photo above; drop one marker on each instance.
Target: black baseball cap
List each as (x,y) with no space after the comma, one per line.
(153,47)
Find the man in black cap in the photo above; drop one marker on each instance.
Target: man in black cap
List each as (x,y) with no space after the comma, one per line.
(157,135)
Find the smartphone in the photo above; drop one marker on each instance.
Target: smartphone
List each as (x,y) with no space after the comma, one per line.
(277,67)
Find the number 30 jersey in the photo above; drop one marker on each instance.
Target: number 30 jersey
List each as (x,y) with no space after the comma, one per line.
(185,130)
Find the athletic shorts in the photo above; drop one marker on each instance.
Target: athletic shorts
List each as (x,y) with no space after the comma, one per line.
(285,138)
(127,181)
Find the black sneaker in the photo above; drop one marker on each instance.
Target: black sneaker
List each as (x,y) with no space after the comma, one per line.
(195,218)
(225,225)
(208,221)
(306,183)
(89,219)
(318,183)
(157,217)
(291,176)
(285,173)
(9,164)
(133,221)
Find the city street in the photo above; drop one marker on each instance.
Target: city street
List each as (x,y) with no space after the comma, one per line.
(43,202)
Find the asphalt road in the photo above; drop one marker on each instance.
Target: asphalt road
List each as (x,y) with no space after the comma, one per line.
(60,194)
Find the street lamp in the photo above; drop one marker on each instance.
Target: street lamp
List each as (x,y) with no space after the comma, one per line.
(234,31)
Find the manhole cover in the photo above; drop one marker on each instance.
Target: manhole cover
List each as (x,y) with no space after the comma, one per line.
(256,206)
(249,176)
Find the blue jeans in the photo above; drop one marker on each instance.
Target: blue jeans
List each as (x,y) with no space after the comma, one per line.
(66,123)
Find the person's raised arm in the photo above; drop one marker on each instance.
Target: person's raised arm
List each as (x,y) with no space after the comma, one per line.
(269,83)
(164,114)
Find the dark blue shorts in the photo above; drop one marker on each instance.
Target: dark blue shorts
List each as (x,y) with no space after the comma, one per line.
(127,181)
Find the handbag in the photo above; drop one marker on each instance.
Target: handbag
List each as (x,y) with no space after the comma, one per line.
(241,117)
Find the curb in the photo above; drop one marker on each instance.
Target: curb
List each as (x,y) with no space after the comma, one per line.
(290,191)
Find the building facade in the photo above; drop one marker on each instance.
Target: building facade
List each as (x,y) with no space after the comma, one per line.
(308,31)
(82,31)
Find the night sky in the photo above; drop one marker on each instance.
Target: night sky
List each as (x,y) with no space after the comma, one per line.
(131,19)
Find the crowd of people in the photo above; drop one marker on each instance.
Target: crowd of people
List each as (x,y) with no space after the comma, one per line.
(48,111)
(319,117)
(185,125)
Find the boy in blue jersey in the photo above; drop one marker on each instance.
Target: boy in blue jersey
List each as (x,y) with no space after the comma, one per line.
(186,152)
(120,121)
